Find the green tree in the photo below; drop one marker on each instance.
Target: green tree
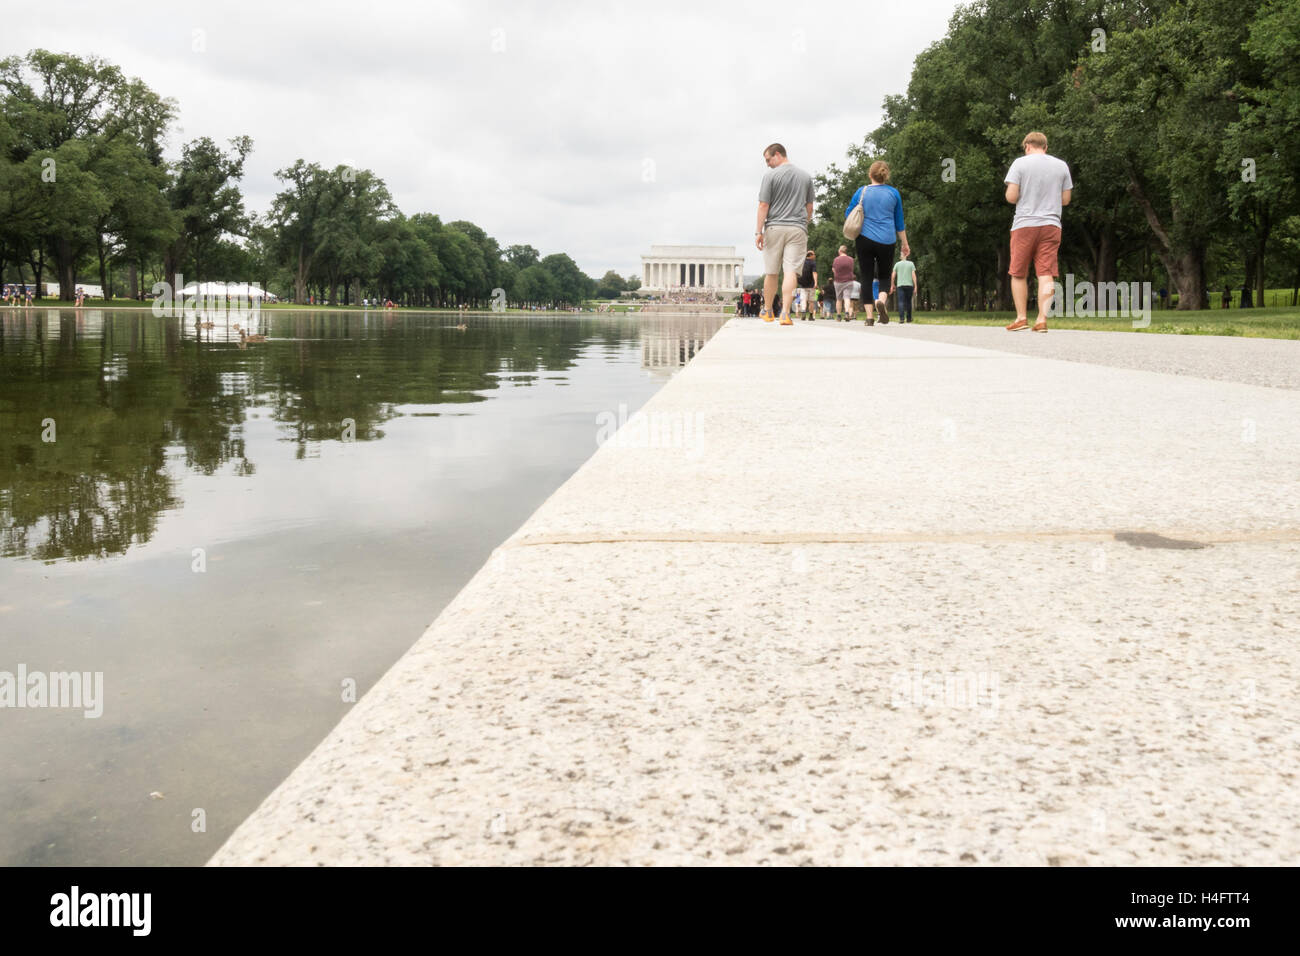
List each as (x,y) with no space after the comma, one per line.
(349,230)
(298,214)
(74,126)
(206,203)
(1259,159)
(536,285)
(572,285)
(611,285)
(485,272)
(521,257)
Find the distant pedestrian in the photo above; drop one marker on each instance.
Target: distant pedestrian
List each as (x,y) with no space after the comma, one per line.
(903,283)
(1226,300)
(807,283)
(842,273)
(785,208)
(1039,185)
(1246,296)
(882,226)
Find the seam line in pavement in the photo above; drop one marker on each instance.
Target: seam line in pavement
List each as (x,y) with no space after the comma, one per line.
(814,537)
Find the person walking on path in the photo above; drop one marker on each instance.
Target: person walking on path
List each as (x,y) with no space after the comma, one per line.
(842,273)
(903,283)
(1039,185)
(807,283)
(785,209)
(882,223)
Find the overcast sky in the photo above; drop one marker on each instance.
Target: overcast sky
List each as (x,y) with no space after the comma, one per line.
(594,129)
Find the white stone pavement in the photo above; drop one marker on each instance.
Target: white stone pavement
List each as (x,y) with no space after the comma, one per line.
(869,609)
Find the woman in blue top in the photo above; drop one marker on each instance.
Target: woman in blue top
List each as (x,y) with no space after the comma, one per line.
(882,220)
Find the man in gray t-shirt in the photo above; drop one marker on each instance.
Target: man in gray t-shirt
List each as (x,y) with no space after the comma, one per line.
(1040,186)
(785,208)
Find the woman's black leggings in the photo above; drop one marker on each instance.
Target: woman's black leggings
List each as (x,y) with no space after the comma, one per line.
(876,261)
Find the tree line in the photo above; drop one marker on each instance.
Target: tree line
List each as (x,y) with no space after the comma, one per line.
(85,190)
(1180,120)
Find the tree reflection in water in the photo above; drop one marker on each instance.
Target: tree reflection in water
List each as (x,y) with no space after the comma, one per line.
(132,395)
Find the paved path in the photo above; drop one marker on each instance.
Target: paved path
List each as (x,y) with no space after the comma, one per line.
(1273,362)
(870,607)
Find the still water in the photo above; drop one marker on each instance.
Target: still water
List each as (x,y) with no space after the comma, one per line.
(229,536)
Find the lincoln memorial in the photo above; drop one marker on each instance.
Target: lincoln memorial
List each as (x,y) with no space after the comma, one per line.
(692,267)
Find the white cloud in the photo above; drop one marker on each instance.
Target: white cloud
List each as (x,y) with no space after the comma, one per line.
(532,120)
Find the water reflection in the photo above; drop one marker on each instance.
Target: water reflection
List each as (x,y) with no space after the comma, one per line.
(667,344)
(93,404)
(324,558)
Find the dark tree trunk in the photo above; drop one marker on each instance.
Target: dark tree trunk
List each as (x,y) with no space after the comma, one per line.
(172,256)
(38,267)
(1107,267)
(65,267)
(1185,275)
(1005,303)
(300,277)
(103,266)
(1261,244)
(1185,265)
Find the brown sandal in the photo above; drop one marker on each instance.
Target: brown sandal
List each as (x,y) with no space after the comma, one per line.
(1039,327)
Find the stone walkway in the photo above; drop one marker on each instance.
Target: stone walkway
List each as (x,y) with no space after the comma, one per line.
(859,596)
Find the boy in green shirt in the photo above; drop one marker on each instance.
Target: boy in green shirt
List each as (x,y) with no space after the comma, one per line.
(903,281)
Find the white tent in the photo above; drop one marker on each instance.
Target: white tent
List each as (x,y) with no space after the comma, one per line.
(231,290)
(94,291)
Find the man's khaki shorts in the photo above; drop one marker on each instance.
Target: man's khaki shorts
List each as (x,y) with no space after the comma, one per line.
(784,245)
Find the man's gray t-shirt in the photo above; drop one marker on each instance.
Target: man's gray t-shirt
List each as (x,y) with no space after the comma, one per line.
(787,190)
(1042,178)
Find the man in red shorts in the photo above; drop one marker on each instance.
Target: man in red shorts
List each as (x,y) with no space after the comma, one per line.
(1039,185)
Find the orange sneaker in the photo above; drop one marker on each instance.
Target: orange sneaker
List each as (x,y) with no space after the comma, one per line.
(786,320)
(767,316)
